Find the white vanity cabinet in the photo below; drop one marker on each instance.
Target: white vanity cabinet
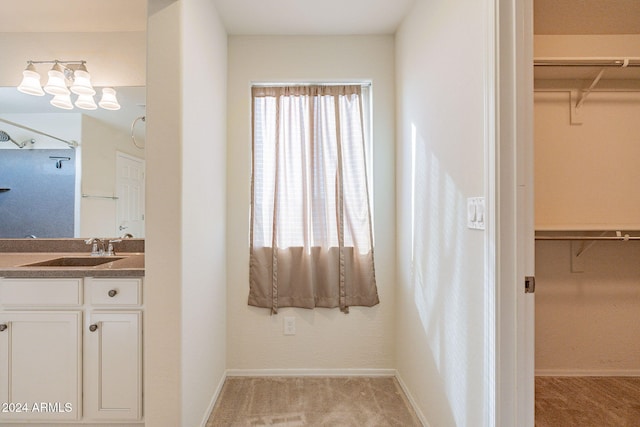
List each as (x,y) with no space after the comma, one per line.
(71,350)
(113,350)
(40,366)
(40,349)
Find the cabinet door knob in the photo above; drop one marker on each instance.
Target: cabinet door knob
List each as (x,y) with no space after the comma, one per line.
(3,327)
(113,293)
(93,327)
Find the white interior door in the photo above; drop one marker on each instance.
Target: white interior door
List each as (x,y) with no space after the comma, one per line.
(130,192)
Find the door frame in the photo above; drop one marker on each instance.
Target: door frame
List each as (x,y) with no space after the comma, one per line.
(509,312)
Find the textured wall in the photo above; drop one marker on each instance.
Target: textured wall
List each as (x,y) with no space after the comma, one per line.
(587,322)
(185,313)
(587,175)
(586,178)
(42,196)
(440,150)
(325,339)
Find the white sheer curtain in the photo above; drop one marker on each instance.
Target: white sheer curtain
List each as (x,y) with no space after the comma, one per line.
(311,236)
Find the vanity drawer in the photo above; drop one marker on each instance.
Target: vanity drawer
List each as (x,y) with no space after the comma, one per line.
(40,292)
(112,292)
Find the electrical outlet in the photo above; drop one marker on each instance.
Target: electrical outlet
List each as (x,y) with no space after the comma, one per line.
(289,325)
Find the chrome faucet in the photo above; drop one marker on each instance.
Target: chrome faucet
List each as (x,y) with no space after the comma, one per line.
(94,241)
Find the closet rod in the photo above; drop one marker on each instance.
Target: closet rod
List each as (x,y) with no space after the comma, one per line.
(620,238)
(617,62)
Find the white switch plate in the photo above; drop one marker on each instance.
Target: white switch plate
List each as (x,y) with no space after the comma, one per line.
(289,325)
(476,213)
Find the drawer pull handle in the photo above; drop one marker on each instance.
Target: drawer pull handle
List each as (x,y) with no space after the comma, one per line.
(112,293)
(3,327)
(93,327)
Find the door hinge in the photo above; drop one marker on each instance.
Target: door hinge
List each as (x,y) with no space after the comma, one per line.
(529,284)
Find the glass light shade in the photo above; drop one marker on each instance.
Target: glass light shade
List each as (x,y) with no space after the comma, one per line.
(109,101)
(62,101)
(31,82)
(86,102)
(82,83)
(56,84)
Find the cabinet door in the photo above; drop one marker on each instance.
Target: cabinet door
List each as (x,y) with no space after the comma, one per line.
(113,365)
(40,368)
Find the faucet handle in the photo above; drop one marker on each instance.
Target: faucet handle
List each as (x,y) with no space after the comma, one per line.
(110,251)
(94,248)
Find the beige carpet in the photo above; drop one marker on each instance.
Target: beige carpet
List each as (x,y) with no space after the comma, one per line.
(588,401)
(312,401)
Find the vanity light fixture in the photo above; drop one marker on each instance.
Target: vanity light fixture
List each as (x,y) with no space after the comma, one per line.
(109,100)
(86,102)
(57,85)
(62,101)
(64,79)
(31,81)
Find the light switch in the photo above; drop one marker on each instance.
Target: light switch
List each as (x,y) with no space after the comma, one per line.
(475,213)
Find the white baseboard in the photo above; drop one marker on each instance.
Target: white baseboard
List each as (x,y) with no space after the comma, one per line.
(214,398)
(412,401)
(587,373)
(311,372)
(66,424)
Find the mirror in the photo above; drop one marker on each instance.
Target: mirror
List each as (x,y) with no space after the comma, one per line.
(48,189)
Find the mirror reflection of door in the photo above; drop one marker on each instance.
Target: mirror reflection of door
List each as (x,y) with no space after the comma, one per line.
(130,192)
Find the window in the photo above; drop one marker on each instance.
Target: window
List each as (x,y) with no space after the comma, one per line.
(311,233)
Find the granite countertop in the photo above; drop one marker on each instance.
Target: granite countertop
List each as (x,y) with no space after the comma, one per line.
(12,265)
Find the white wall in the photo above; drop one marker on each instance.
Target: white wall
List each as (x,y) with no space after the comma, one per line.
(204,84)
(586,178)
(186,189)
(440,51)
(163,243)
(586,322)
(113,59)
(325,339)
(586,175)
(598,45)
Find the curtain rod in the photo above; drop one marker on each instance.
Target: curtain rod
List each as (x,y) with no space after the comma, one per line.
(71,144)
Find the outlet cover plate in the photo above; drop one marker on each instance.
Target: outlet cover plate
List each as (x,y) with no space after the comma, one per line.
(289,325)
(476,213)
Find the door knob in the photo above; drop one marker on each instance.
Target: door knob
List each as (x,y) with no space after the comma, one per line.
(93,327)
(112,293)
(3,327)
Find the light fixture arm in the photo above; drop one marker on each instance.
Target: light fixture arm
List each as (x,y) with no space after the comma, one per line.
(57,61)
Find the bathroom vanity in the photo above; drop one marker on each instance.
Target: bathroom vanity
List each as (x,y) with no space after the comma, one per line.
(71,337)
